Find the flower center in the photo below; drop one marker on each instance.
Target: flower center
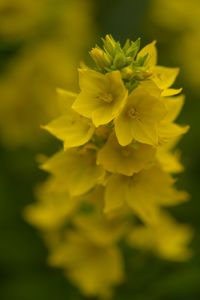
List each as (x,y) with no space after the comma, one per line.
(133,113)
(106,97)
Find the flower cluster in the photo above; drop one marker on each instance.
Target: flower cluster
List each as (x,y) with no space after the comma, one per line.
(114,177)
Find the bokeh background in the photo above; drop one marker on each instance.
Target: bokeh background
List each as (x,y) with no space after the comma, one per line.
(41,44)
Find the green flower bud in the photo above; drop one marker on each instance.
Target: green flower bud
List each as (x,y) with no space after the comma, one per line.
(101,59)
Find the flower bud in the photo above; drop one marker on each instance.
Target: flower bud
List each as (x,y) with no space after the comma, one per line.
(100,58)
(109,43)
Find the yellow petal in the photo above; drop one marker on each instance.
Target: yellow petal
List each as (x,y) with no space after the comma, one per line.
(150,87)
(151,50)
(171,92)
(140,197)
(72,129)
(145,132)
(169,161)
(65,99)
(123,130)
(103,115)
(85,104)
(91,81)
(174,106)
(164,77)
(170,131)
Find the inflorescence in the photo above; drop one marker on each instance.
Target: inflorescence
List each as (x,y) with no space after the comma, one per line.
(116,174)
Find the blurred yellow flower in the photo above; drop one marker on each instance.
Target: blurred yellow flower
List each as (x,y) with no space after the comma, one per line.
(20,18)
(178,22)
(53,207)
(46,59)
(87,264)
(167,239)
(76,168)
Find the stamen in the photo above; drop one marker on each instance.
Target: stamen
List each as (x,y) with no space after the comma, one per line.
(133,113)
(106,97)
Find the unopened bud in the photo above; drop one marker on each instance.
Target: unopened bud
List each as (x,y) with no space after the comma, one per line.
(126,72)
(109,43)
(100,57)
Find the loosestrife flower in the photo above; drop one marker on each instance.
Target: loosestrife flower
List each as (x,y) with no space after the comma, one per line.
(102,96)
(117,168)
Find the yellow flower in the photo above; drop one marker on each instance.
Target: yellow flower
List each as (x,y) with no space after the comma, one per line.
(139,119)
(125,160)
(71,128)
(144,193)
(54,206)
(102,96)
(76,169)
(167,239)
(87,264)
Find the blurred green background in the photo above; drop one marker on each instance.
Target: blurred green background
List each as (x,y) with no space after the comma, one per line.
(24,274)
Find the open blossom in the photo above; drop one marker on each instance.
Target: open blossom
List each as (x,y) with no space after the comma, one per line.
(102,96)
(144,193)
(140,118)
(125,160)
(76,168)
(116,168)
